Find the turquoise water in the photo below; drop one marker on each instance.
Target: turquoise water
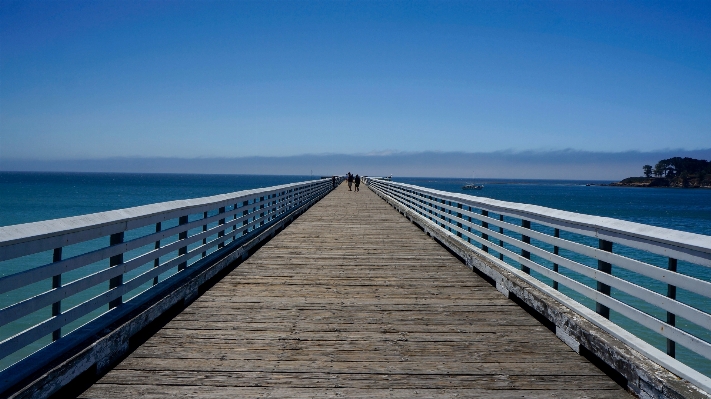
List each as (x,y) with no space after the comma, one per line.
(29,197)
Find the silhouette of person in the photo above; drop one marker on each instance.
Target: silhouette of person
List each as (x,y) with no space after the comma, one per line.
(357,183)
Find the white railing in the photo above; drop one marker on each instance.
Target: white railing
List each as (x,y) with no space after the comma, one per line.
(72,270)
(574,253)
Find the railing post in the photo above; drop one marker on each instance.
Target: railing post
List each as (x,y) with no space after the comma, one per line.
(204,229)
(556,234)
(221,233)
(449,212)
(459,224)
(604,267)
(469,228)
(261,207)
(245,222)
(501,242)
(486,226)
(116,239)
(182,236)
(156,261)
(57,283)
(526,239)
(269,208)
(234,217)
(671,317)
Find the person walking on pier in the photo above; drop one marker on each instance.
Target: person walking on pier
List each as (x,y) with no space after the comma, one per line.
(350,181)
(357,183)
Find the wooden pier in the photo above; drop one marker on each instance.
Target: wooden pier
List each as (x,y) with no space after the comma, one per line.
(353,300)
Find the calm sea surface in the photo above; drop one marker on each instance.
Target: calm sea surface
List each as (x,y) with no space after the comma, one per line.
(30,197)
(679,209)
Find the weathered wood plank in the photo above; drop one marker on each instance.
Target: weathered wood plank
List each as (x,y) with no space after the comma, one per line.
(153,392)
(351,300)
(215,365)
(306,379)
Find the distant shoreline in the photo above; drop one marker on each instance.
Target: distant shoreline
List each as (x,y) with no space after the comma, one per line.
(660,182)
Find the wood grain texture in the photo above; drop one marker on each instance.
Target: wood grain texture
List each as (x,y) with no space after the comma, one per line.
(352,300)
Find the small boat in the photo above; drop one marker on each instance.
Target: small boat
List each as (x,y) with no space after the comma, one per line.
(472,186)
(389,178)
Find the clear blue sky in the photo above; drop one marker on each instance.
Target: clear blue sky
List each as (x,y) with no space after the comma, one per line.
(229,79)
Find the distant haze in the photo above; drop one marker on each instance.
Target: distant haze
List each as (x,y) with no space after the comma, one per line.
(563,164)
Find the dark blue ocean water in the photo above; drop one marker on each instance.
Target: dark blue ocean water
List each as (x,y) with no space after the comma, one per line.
(679,209)
(29,197)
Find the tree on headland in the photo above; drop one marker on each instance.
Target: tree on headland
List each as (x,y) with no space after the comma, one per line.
(659,169)
(678,167)
(673,172)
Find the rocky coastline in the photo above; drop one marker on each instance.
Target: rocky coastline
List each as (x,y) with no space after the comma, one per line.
(677,181)
(673,172)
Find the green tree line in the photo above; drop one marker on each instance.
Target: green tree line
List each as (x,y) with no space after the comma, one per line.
(678,166)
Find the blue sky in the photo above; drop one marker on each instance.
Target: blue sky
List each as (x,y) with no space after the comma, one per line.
(103,79)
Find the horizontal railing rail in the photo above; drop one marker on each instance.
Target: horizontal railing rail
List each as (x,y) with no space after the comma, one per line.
(529,238)
(67,272)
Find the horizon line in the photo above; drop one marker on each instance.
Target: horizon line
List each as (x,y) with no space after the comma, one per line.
(374,153)
(542,165)
(298,175)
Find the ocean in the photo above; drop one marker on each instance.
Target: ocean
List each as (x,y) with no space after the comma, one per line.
(679,209)
(29,197)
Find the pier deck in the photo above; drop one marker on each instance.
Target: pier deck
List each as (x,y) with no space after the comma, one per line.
(352,300)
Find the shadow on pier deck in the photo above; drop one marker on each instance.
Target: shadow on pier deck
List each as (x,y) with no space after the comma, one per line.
(352,300)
